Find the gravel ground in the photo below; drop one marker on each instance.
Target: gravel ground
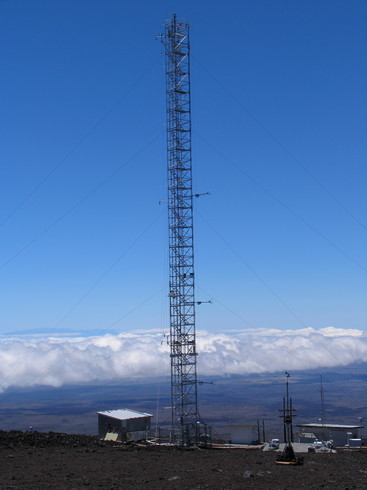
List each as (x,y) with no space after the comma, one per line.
(34,460)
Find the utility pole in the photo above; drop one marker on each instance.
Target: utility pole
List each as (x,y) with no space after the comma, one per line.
(322,411)
(322,400)
(288,456)
(287,414)
(185,423)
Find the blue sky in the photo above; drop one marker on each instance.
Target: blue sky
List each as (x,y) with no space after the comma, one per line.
(279,140)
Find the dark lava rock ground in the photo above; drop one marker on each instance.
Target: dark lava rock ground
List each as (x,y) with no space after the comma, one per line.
(33,460)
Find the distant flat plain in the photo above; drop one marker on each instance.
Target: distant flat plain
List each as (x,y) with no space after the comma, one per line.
(222,401)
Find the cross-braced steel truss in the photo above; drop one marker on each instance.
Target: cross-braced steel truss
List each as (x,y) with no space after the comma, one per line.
(182,341)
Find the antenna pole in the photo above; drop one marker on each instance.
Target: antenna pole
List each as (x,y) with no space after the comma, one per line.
(185,427)
(322,396)
(288,456)
(287,414)
(322,412)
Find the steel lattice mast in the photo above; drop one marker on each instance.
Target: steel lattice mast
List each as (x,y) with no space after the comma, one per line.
(182,340)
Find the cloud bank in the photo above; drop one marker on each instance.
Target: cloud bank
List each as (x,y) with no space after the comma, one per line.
(55,361)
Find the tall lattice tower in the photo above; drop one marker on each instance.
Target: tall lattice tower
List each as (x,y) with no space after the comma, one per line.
(182,340)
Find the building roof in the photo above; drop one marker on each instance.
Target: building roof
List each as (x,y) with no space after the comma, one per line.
(308,435)
(124,414)
(331,426)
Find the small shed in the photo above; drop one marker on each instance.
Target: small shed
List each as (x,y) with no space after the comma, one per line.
(123,425)
(340,434)
(244,434)
(307,437)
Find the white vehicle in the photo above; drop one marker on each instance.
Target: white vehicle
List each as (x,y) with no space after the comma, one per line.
(321,447)
(318,444)
(274,444)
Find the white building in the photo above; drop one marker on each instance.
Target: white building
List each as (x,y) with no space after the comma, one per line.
(124,425)
(340,434)
(244,434)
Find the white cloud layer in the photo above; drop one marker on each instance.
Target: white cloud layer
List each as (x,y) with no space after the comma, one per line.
(55,361)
